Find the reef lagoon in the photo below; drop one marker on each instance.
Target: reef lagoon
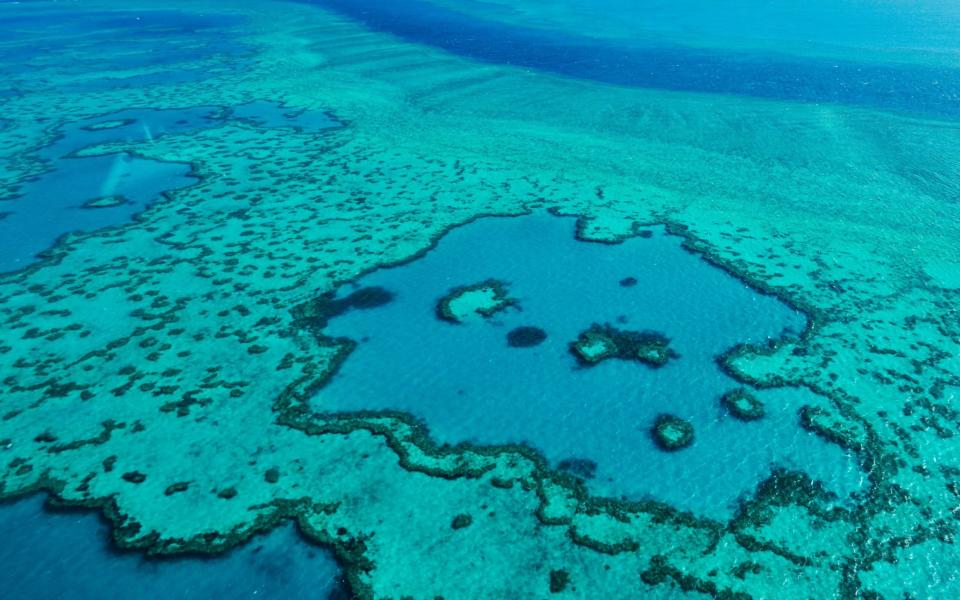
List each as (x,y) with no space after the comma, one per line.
(468,384)
(505,299)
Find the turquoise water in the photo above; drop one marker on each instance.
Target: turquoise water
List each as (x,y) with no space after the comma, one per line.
(828,26)
(469,385)
(665,65)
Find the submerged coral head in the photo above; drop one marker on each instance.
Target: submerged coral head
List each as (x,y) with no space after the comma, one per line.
(601,342)
(672,433)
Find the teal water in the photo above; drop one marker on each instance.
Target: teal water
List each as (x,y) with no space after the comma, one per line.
(68,556)
(825,25)
(469,385)
(660,62)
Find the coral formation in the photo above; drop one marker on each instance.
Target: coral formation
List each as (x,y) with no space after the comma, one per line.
(672,433)
(559,580)
(602,342)
(317,313)
(461,521)
(256,237)
(105,202)
(580,467)
(485,299)
(742,405)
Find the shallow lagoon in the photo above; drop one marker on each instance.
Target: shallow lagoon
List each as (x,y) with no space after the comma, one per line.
(58,202)
(468,384)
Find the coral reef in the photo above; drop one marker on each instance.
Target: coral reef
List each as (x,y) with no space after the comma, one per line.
(580,467)
(432,141)
(742,405)
(317,313)
(672,433)
(602,342)
(109,124)
(105,202)
(485,299)
(559,580)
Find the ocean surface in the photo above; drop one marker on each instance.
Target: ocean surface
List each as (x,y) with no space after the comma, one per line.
(227,233)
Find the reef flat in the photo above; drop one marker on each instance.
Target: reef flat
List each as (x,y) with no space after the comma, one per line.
(163,354)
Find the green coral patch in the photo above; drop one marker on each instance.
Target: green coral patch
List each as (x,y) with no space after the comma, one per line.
(743,405)
(483,299)
(672,433)
(602,342)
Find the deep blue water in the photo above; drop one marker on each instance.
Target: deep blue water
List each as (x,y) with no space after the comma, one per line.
(68,555)
(467,384)
(902,87)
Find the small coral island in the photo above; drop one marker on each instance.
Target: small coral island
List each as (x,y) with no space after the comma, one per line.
(465,302)
(672,433)
(742,405)
(105,202)
(112,124)
(600,342)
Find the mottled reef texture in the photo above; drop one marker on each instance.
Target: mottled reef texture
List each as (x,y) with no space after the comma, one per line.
(160,371)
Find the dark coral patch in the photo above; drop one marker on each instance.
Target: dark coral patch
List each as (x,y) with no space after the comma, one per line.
(461,521)
(106,202)
(317,313)
(559,579)
(743,405)
(672,433)
(601,342)
(176,488)
(134,477)
(526,337)
(583,468)
(628,282)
